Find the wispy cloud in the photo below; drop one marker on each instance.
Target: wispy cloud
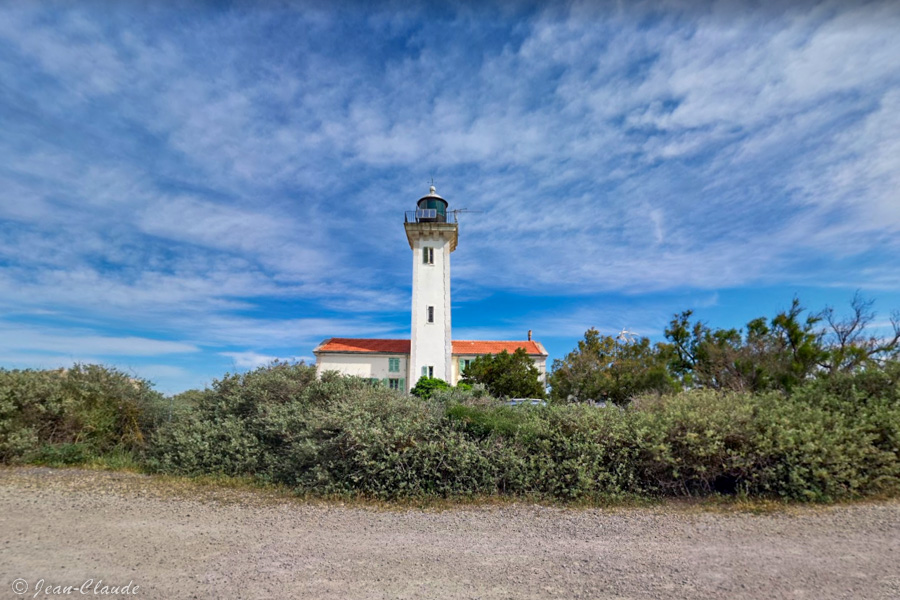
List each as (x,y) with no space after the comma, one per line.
(235,180)
(70,342)
(252,360)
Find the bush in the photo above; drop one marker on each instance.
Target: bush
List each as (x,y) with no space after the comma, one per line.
(811,446)
(237,425)
(470,395)
(68,415)
(337,435)
(427,386)
(831,439)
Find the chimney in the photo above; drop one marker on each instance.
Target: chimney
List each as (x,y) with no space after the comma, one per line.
(529,335)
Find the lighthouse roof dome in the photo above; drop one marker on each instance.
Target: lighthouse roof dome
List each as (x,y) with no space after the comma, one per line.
(431,196)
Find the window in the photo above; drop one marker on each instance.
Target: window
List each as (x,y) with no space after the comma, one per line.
(427,371)
(394,384)
(428,256)
(394,365)
(464,364)
(431,314)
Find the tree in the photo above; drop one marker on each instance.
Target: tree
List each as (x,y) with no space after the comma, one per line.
(849,348)
(799,344)
(427,386)
(612,369)
(506,375)
(773,354)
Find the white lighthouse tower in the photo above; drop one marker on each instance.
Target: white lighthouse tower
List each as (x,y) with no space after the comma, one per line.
(433,233)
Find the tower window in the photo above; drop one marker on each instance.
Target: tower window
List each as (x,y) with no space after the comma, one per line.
(428,256)
(427,371)
(431,314)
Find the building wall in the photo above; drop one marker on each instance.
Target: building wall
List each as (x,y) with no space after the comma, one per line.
(377,366)
(370,366)
(541,363)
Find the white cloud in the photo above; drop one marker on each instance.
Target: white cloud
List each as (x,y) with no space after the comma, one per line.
(80,342)
(272,332)
(188,178)
(862,171)
(252,360)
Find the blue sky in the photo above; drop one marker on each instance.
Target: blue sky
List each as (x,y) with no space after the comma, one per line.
(192,189)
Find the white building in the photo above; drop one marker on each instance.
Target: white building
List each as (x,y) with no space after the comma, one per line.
(433,234)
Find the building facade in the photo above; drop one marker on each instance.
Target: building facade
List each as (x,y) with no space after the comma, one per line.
(433,233)
(389,361)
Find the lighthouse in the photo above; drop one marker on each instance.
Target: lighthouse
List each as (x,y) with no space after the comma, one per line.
(432,233)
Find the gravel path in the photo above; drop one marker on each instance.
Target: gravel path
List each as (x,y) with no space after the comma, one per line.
(181,540)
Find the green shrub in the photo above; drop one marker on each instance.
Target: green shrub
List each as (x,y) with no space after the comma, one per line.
(832,438)
(485,421)
(230,429)
(470,395)
(339,435)
(695,443)
(426,387)
(87,410)
(810,446)
(57,455)
(386,445)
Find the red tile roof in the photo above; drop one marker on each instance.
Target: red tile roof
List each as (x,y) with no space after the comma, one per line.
(479,347)
(462,347)
(364,345)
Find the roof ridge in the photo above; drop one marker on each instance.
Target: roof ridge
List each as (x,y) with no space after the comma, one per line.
(380,339)
(493,341)
(402,346)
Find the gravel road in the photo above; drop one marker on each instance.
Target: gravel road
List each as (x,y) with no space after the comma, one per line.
(180,540)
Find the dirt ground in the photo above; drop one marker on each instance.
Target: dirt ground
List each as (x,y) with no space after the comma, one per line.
(177,540)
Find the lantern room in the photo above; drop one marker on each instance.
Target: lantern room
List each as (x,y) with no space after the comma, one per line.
(431,208)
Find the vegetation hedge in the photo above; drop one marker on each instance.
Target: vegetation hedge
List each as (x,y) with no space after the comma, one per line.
(72,415)
(830,439)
